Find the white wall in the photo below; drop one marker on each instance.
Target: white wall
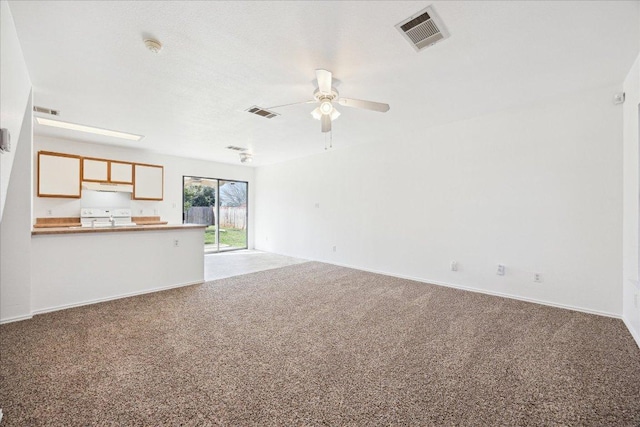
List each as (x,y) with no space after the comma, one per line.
(77,269)
(537,189)
(15,232)
(15,174)
(15,87)
(630,279)
(170,209)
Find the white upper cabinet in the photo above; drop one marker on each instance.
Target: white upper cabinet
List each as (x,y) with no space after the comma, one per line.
(103,170)
(95,170)
(61,175)
(121,172)
(148,182)
(58,175)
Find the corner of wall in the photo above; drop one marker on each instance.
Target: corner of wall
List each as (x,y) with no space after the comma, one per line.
(15,86)
(15,231)
(16,105)
(631,207)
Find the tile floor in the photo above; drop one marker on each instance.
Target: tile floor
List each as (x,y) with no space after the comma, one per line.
(227,264)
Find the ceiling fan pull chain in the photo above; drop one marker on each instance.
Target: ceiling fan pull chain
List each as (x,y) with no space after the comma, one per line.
(331,138)
(325,142)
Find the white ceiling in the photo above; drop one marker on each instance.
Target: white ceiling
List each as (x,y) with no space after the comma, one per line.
(88,60)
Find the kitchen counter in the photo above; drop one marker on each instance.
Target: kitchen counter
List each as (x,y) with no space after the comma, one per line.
(80,230)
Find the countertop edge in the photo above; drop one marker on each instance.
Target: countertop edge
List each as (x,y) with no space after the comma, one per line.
(78,230)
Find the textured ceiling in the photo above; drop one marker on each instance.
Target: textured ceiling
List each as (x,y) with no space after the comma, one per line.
(88,60)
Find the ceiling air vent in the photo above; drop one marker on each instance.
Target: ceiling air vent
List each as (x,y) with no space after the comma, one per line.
(235,148)
(423,29)
(46,110)
(261,112)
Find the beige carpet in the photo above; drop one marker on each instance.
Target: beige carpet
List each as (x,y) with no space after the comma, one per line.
(316,344)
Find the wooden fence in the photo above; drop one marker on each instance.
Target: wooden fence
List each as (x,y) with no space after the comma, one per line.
(233,217)
(230,216)
(200,215)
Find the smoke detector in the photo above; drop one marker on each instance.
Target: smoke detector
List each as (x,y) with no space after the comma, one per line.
(153,45)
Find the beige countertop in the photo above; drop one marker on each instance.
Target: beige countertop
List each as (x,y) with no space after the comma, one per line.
(76,229)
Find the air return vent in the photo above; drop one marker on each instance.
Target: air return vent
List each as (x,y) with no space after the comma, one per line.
(236,148)
(423,29)
(46,110)
(261,112)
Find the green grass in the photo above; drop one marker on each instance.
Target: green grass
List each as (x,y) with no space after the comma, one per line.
(228,236)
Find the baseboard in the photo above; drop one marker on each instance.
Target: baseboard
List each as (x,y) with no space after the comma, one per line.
(634,334)
(16,318)
(111,298)
(487,292)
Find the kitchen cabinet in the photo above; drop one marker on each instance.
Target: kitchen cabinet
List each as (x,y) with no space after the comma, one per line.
(95,170)
(103,170)
(148,182)
(121,172)
(58,175)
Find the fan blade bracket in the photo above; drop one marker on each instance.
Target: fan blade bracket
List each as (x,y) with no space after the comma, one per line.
(366,105)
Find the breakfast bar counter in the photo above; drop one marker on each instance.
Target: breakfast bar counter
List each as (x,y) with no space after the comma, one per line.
(78,229)
(74,265)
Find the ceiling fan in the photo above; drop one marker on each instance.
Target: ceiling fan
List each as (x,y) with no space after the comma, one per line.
(326,95)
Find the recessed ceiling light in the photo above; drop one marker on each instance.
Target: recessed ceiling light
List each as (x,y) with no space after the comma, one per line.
(89,129)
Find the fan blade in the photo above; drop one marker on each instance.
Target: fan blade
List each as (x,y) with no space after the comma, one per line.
(326,123)
(367,105)
(324,81)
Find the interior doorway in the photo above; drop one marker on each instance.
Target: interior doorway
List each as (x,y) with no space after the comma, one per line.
(221,205)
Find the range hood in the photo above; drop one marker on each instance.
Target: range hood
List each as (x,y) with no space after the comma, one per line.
(113,188)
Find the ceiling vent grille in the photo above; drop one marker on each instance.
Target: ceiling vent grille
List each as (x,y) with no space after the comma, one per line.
(46,111)
(236,148)
(261,112)
(423,29)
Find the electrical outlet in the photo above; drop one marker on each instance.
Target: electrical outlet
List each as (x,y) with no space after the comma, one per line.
(317,205)
(49,212)
(141,211)
(537,277)
(176,243)
(454,266)
(174,205)
(334,249)
(500,271)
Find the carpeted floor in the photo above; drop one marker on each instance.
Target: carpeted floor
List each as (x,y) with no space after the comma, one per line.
(316,344)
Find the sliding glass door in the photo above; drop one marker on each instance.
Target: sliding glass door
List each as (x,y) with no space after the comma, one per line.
(222,206)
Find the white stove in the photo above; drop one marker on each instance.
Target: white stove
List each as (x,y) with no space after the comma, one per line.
(99,218)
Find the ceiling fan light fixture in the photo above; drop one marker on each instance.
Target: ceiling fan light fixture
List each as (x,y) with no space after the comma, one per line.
(326,107)
(246,158)
(335,114)
(316,113)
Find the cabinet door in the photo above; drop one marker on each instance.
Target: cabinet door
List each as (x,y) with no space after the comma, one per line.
(121,172)
(58,175)
(148,182)
(95,170)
